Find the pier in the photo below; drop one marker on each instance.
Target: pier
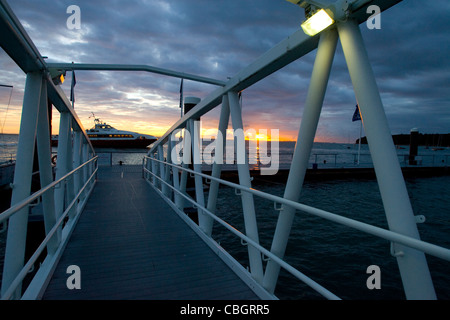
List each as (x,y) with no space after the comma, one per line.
(123,232)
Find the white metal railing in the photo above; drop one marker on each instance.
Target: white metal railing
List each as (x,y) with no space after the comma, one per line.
(79,200)
(394,237)
(414,271)
(65,189)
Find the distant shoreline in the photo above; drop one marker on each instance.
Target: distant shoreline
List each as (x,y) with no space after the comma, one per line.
(424,139)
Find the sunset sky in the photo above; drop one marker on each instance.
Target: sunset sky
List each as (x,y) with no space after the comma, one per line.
(216,39)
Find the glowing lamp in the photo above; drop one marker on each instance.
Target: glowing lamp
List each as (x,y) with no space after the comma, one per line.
(317,22)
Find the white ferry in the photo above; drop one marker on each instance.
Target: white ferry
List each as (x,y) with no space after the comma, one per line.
(103,135)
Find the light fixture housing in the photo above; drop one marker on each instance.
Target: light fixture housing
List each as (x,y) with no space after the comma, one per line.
(317,22)
(57,76)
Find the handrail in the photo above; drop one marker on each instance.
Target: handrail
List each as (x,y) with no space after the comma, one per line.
(423,246)
(133,67)
(299,275)
(10,211)
(29,57)
(21,275)
(19,46)
(394,237)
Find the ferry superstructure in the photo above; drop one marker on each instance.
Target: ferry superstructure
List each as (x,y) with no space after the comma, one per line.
(103,135)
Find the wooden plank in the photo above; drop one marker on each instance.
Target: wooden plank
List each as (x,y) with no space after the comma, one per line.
(129,244)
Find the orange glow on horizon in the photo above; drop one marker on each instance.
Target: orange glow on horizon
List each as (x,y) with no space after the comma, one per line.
(158,127)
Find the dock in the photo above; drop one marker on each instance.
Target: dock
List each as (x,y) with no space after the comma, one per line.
(130,244)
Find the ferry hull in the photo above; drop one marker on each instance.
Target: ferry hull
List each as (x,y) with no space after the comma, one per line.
(121,144)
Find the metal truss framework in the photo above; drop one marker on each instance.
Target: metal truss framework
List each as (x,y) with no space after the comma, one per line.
(412,263)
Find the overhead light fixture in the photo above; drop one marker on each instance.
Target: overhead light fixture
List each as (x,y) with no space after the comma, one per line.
(58,76)
(317,22)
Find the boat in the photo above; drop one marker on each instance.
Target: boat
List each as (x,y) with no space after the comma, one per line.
(103,135)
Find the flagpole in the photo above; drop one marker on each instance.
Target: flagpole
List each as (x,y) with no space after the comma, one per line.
(359,147)
(357,117)
(181,98)
(181,106)
(72,88)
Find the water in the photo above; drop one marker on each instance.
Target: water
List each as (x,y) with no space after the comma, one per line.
(8,147)
(335,256)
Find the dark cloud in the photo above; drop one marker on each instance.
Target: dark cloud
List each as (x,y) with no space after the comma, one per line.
(217,39)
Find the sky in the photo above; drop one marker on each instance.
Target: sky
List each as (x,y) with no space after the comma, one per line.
(216,39)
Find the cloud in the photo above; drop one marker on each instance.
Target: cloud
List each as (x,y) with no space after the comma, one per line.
(218,39)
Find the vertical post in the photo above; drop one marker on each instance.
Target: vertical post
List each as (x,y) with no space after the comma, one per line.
(413,146)
(203,219)
(168,168)
(77,154)
(359,144)
(176,184)
(413,267)
(64,156)
(218,160)
(186,160)
(45,170)
(153,164)
(83,159)
(299,164)
(162,168)
(248,205)
(86,173)
(17,229)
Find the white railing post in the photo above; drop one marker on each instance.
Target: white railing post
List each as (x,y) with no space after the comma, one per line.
(413,267)
(84,171)
(162,168)
(248,204)
(186,160)
(77,161)
(64,156)
(305,139)
(43,136)
(17,227)
(175,175)
(218,160)
(170,178)
(153,169)
(203,219)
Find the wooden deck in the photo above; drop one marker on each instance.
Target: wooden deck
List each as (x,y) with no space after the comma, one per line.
(130,244)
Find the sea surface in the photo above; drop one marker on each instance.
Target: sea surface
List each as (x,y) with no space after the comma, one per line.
(335,256)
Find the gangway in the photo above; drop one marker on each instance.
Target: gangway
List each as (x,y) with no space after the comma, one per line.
(78,229)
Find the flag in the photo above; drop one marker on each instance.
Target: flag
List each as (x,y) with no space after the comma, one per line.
(356,115)
(181,93)
(72,86)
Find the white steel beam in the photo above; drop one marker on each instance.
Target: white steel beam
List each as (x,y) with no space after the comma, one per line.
(64,161)
(203,219)
(45,170)
(217,165)
(17,227)
(412,263)
(248,205)
(299,164)
(131,67)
